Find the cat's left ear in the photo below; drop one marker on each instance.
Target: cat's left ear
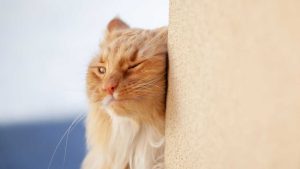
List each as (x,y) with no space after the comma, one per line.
(116,24)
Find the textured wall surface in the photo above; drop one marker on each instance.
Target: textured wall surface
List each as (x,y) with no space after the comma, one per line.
(234,85)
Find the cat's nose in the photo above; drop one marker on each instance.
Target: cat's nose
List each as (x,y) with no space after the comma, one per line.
(111,87)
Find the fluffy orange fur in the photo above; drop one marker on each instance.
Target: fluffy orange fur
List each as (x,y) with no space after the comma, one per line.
(125,126)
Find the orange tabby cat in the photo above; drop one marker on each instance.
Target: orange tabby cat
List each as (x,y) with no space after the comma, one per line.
(126,85)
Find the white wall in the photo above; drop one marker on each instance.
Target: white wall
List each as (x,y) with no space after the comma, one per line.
(45,47)
(234,85)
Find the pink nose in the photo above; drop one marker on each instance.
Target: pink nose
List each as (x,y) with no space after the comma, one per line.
(111,87)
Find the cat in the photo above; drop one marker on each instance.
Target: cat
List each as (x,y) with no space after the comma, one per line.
(126,88)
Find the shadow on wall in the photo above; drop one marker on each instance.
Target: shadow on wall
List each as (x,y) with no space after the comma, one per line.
(30,146)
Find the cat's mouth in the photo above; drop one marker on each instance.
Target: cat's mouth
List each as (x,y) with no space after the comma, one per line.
(107,100)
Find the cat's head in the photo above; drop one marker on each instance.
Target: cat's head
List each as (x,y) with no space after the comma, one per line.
(130,70)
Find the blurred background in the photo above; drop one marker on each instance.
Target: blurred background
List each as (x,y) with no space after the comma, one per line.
(45,46)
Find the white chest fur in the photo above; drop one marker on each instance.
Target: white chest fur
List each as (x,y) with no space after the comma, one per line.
(140,146)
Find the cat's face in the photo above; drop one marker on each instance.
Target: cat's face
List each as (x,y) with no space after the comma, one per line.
(131,68)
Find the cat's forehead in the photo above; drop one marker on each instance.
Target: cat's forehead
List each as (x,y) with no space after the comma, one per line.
(124,45)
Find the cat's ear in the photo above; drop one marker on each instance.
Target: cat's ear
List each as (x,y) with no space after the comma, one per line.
(158,45)
(116,24)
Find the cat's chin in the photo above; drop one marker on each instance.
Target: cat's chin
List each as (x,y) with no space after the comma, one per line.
(110,100)
(107,100)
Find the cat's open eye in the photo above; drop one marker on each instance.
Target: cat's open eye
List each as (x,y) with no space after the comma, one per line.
(101,69)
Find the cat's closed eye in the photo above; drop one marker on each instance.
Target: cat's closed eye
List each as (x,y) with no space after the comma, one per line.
(135,65)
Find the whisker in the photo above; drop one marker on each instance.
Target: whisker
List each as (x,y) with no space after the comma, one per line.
(142,85)
(67,138)
(139,83)
(142,93)
(61,139)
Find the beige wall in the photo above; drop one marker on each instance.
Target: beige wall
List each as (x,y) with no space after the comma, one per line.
(234,85)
